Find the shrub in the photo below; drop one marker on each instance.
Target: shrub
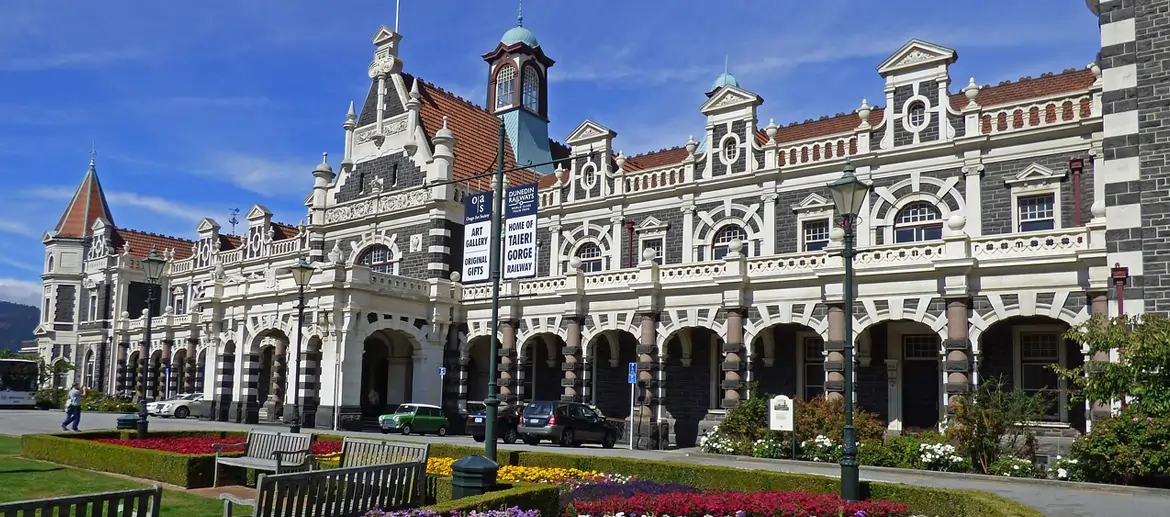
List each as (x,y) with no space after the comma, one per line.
(1066,469)
(1142,369)
(821,448)
(823,416)
(1013,467)
(1128,449)
(542,498)
(97,401)
(984,424)
(748,420)
(189,471)
(50,398)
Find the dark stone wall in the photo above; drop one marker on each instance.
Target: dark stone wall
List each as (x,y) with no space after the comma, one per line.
(672,242)
(787,227)
(612,390)
(1152,28)
(136,294)
(65,302)
(996,204)
(873,386)
(397,171)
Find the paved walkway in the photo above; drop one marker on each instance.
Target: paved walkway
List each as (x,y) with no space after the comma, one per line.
(1053,498)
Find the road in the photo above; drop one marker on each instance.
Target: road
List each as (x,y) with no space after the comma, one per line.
(1055,499)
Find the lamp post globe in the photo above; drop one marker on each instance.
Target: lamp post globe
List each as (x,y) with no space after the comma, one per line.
(152,267)
(302,273)
(849,195)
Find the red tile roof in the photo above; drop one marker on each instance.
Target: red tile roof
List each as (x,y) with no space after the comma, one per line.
(87,206)
(140,243)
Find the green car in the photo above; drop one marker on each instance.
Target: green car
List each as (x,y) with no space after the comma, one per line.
(415,418)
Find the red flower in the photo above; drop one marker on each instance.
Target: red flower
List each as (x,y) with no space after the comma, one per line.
(727,504)
(202,445)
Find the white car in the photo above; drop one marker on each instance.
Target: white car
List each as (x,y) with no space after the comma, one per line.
(181,406)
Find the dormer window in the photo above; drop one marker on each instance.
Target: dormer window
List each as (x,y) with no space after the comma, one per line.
(917,114)
(730,151)
(505,87)
(530,92)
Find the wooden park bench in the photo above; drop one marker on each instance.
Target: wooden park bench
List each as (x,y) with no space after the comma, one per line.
(267,451)
(342,492)
(361,452)
(142,502)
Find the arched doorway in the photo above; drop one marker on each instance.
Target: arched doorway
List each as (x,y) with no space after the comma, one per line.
(154,376)
(912,350)
(1019,353)
(610,352)
(310,382)
(133,376)
(179,371)
(540,367)
(387,371)
(692,378)
(788,359)
(477,367)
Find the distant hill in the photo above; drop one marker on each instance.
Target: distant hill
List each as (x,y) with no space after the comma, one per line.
(17,323)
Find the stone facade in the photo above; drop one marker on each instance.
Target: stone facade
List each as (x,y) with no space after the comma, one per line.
(712,267)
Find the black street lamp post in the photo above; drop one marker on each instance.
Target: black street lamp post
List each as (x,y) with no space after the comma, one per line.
(849,194)
(302,273)
(152,266)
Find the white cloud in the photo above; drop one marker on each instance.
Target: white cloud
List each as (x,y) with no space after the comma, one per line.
(261,175)
(21,291)
(20,265)
(86,59)
(19,228)
(189,103)
(153,204)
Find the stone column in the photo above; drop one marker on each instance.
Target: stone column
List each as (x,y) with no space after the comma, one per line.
(647,363)
(191,370)
(835,346)
(1099,307)
(279,369)
(957,363)
(166,362)
(143,366)
(732,358)
(120,385)
(507,389)
(572,363)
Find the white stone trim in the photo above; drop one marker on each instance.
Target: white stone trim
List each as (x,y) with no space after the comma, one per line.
(926,113)
(1119,78)
(1123,216)
(1121,124)
(1119,32)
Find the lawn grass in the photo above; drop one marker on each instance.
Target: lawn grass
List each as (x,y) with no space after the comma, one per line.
(25,479)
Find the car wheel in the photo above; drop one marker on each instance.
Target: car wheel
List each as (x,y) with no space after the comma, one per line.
(442,430)
(532,441)
(567,438)
(479,439)
(406,430)
(510,435)
(609,441)
(385,431)
(182,412)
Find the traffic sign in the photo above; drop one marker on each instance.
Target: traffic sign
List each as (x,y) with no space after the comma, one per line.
(442,371)
(632,377)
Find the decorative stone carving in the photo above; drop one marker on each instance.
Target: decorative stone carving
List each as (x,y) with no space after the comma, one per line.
(381,66)
(916,56)
(367,207)
(730,99)
(392,127)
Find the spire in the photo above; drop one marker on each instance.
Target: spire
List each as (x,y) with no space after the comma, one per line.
(92,153)
(87,206)
(520,13)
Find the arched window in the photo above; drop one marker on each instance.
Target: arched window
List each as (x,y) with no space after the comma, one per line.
(530,92)
(918,221)
(89,367)
(730,150)
(50,263)
(719,245)
(591,258)
(917,115)
(379,258)
(505,87)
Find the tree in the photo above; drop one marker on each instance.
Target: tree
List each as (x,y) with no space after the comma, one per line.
(991,422)
(1140,374)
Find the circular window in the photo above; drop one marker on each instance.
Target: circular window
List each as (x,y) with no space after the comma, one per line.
(729,151)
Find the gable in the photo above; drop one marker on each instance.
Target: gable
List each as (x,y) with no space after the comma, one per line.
(258,212)
(207,225)
(917,54)
(812,202)
(730,97)
(589,130)
(1035,173)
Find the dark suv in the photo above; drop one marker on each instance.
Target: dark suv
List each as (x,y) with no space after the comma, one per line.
(568,423)
(506,421)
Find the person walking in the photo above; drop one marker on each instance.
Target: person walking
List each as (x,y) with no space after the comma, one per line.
(73,407)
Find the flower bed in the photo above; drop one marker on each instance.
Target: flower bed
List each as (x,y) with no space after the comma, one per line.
(735,504)
(201,444)
(541,475)
(514,511)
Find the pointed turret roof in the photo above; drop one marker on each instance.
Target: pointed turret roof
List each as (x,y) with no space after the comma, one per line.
(87,206)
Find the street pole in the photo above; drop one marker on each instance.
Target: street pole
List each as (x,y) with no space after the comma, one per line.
(144,360)
(294,425)
(492,401)
(850,475)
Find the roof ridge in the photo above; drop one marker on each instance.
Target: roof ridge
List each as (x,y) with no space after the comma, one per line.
(648,153)
(152,234)
(453,95)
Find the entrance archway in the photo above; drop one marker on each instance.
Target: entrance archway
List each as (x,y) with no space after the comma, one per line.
(610,352)
(387,371)
(915,401)
(154,376)
(310,382)
(540,367)
(693,375)
(788,359)
(477,362)
(1019,352)
(132,382)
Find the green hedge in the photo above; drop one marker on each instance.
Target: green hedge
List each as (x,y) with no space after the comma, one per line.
(78,450)
(538,497)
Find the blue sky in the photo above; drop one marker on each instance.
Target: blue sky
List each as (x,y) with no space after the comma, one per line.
(201,107)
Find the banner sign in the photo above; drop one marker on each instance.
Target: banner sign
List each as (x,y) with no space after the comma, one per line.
(520,204)
(477,230)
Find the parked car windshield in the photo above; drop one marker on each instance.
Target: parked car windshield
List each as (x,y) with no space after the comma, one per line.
(405,408)
(539,408)
(189,396)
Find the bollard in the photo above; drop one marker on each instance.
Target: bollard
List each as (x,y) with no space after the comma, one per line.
(127,422)
(473,475)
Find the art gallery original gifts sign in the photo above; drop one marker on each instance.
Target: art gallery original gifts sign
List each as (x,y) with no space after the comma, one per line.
(477,230)
(520,205)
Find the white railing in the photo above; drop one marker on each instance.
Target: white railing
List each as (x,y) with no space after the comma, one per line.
(182,266)
(1027,245)
(401,284)
(643,181)
(899,254)
(785,264)
(605,279)
(680,273)
(1036,114)
(827,150)
(538,286)
(287,246)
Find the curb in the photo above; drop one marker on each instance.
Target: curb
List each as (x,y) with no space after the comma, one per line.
(1073,485)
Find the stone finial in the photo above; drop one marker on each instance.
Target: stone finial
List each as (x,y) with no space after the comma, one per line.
(770,130)
(335,253)
(414,92)
(649,254)
(1096,69)
(733,249)
(971,91)
(494,185)
(125,315)
(620,160)
(444,132)
(575,264)
(956,222)
(169,310)
(455,276)
(1097,209)
(559,174)
(691,145)
(863,111)
(836,235)
(351,114)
